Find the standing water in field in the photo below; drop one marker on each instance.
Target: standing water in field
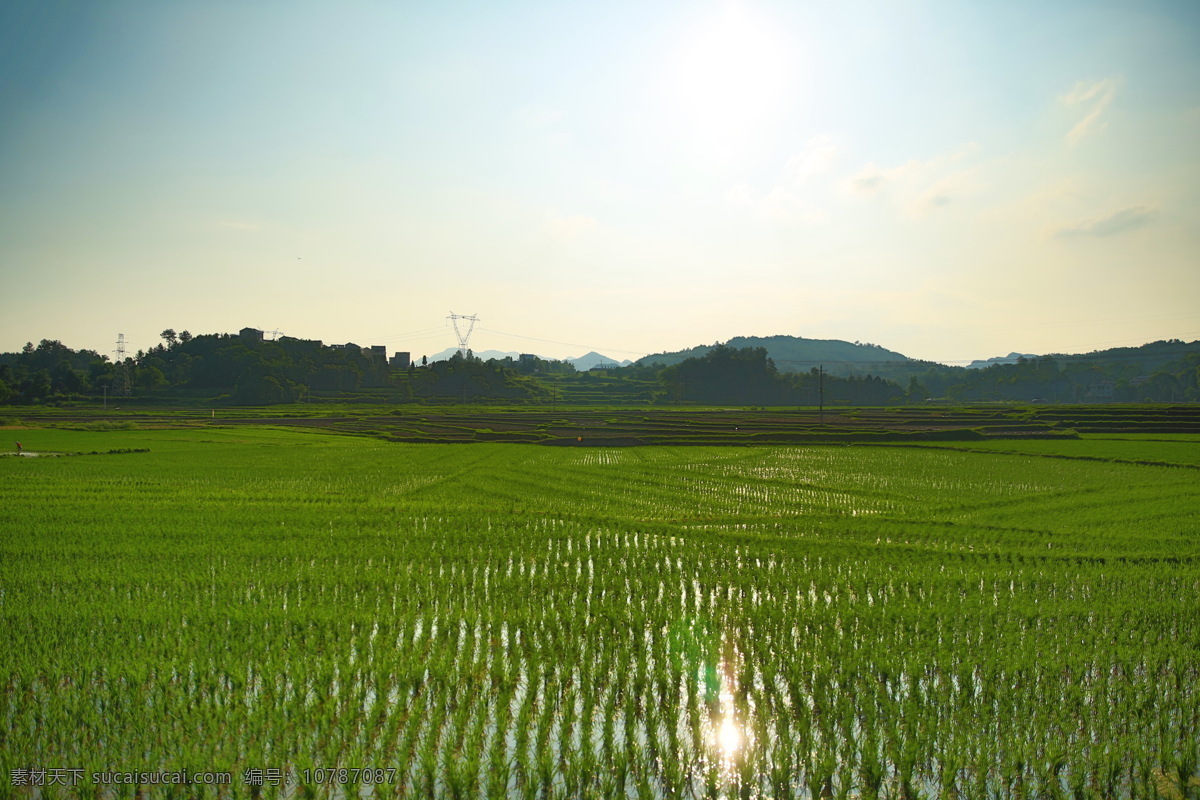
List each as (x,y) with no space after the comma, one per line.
(729,733)
(692,621)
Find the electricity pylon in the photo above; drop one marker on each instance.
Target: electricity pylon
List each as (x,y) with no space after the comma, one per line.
(121,373)
(463,338)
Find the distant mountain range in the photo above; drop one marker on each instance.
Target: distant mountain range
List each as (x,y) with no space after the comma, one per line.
(582,363)
(848,359)
(796,354)
(594,359)
(790,354)
(1011,358)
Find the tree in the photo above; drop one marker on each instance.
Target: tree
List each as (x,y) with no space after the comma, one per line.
(66,379)
(36,387)
(464,377)
(184,337)
(46,355)
(169,336)
(151,378)
(727,375)
(262,390)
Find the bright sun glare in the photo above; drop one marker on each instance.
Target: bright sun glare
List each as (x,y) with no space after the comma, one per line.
(725,79)
(729,737)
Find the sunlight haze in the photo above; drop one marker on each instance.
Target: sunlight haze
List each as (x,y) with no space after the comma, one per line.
(948,180)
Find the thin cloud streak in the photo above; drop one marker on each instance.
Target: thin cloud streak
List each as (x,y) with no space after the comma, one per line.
(870,179)
(1096,97)
(1118,222)
(923,185)
(818,156)
(784,206)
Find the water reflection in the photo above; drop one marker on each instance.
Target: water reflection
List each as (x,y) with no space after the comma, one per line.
(729,737)
(716,714)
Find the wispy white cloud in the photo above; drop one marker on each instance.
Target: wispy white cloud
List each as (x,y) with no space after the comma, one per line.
(785,206)
(1122,221)
(917,187)
(945,190)
(779,203)
(872,179)
(740,195)
(817,156)
(1094,98)
(920,186)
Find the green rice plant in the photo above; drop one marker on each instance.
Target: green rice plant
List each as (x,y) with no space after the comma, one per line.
(318,600)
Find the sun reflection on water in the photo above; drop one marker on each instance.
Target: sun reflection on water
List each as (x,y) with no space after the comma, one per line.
(730,738)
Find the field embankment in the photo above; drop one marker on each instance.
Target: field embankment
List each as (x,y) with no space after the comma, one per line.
(574,426)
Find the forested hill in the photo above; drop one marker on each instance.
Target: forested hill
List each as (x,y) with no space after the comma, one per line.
(229,369)
(1146,358)
(797,354)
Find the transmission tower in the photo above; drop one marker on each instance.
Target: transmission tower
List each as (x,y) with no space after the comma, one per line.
(463,338)
(123,386)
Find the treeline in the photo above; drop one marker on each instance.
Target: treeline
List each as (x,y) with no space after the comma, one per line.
(232,369)
(51,370)
(1068,379)
(746,376)
(249,372)
(465,378)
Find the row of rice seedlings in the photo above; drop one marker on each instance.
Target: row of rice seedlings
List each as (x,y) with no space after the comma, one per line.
(492,651)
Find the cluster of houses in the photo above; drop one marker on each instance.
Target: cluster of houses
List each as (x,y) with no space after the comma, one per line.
(401,360)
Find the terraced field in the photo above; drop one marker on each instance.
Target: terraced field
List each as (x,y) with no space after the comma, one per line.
(995,619)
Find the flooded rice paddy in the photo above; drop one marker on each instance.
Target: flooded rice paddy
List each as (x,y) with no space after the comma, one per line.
(509,621)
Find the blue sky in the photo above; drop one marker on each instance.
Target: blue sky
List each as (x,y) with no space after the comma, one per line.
(950,180)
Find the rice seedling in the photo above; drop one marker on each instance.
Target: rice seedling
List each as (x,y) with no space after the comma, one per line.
(515,621)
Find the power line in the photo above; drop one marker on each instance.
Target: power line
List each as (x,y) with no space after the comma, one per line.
(875,363)
(594,348)
(421,334)
(1187,315)
(1142,340)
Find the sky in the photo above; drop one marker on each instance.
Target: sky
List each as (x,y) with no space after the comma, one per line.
(951,180)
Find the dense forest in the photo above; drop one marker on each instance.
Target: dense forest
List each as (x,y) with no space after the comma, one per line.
(229,369)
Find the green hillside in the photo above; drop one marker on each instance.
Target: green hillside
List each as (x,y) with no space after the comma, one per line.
(797,354)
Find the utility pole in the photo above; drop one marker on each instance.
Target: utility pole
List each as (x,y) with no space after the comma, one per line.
(821,391)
